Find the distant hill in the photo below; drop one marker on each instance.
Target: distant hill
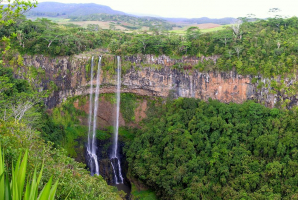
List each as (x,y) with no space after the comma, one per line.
(84,11)
(203,20)
(55,9)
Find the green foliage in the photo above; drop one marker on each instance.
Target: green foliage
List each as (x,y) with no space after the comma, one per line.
(14,189)
(24,125)
(102,135)
(75,181)
(126,133)
(126,21)
(66,116)
(259,47)
(128,105)
(11,11)
(193,33)
(191,149)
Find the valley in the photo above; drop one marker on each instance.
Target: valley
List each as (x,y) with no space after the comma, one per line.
(104,104)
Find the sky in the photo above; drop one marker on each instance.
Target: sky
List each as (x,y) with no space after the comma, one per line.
(197,8)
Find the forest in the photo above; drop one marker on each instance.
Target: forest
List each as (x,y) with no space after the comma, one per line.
(127,21)
(191,149)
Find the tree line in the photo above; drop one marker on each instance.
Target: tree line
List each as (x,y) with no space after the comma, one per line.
(266,47)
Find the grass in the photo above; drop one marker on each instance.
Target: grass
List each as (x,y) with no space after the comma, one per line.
(179,31)
(54,19)
(183,30)
(103,25)
(214,29)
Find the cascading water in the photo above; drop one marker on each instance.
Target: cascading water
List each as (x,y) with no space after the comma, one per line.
(114,157)
(91,146)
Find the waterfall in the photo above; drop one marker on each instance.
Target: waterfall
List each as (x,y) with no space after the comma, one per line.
(115,161)
(91,146)
(192,94)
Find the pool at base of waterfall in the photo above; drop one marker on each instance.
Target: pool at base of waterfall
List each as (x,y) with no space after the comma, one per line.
(124,187)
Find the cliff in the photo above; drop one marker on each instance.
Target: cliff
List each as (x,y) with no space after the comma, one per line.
(155,76)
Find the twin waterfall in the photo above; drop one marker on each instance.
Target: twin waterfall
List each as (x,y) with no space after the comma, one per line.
(93,108)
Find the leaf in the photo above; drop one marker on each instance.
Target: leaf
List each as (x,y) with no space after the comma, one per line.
(22,174)
(53,191)
(7,191)
(2,176)
(45,193)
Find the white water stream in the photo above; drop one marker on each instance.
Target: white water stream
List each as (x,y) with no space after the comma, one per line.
(91,146)
(115,156)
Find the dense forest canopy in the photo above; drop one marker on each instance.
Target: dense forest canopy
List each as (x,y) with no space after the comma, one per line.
(191,149)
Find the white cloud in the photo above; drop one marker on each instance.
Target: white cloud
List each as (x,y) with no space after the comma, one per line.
(197,8)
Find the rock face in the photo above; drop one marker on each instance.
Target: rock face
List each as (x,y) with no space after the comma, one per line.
(106,113)
(152,76)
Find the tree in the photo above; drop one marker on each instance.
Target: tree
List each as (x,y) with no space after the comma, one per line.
(50,36)
(236,27)
(93,27)
(277,19)
(13,9)
(114,45)
(9,13)
(193,33)
(229,53)
(238,49)
(144,39)
(224,36)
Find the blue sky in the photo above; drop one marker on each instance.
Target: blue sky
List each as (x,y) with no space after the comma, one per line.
(197,8)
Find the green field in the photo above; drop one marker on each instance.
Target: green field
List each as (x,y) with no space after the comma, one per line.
(54,19)
(183,30)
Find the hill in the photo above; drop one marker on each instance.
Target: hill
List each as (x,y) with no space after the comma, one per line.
(55,9)
(92,10)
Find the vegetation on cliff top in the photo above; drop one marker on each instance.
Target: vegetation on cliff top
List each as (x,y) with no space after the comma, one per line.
(266,47)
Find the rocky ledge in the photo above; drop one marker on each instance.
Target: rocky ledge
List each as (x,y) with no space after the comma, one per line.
(153,76)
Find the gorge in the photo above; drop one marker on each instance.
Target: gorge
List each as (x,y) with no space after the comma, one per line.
(145,76)
(146,109)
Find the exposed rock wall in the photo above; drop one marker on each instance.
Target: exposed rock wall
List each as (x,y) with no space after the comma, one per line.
(152,76)
(106,113)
